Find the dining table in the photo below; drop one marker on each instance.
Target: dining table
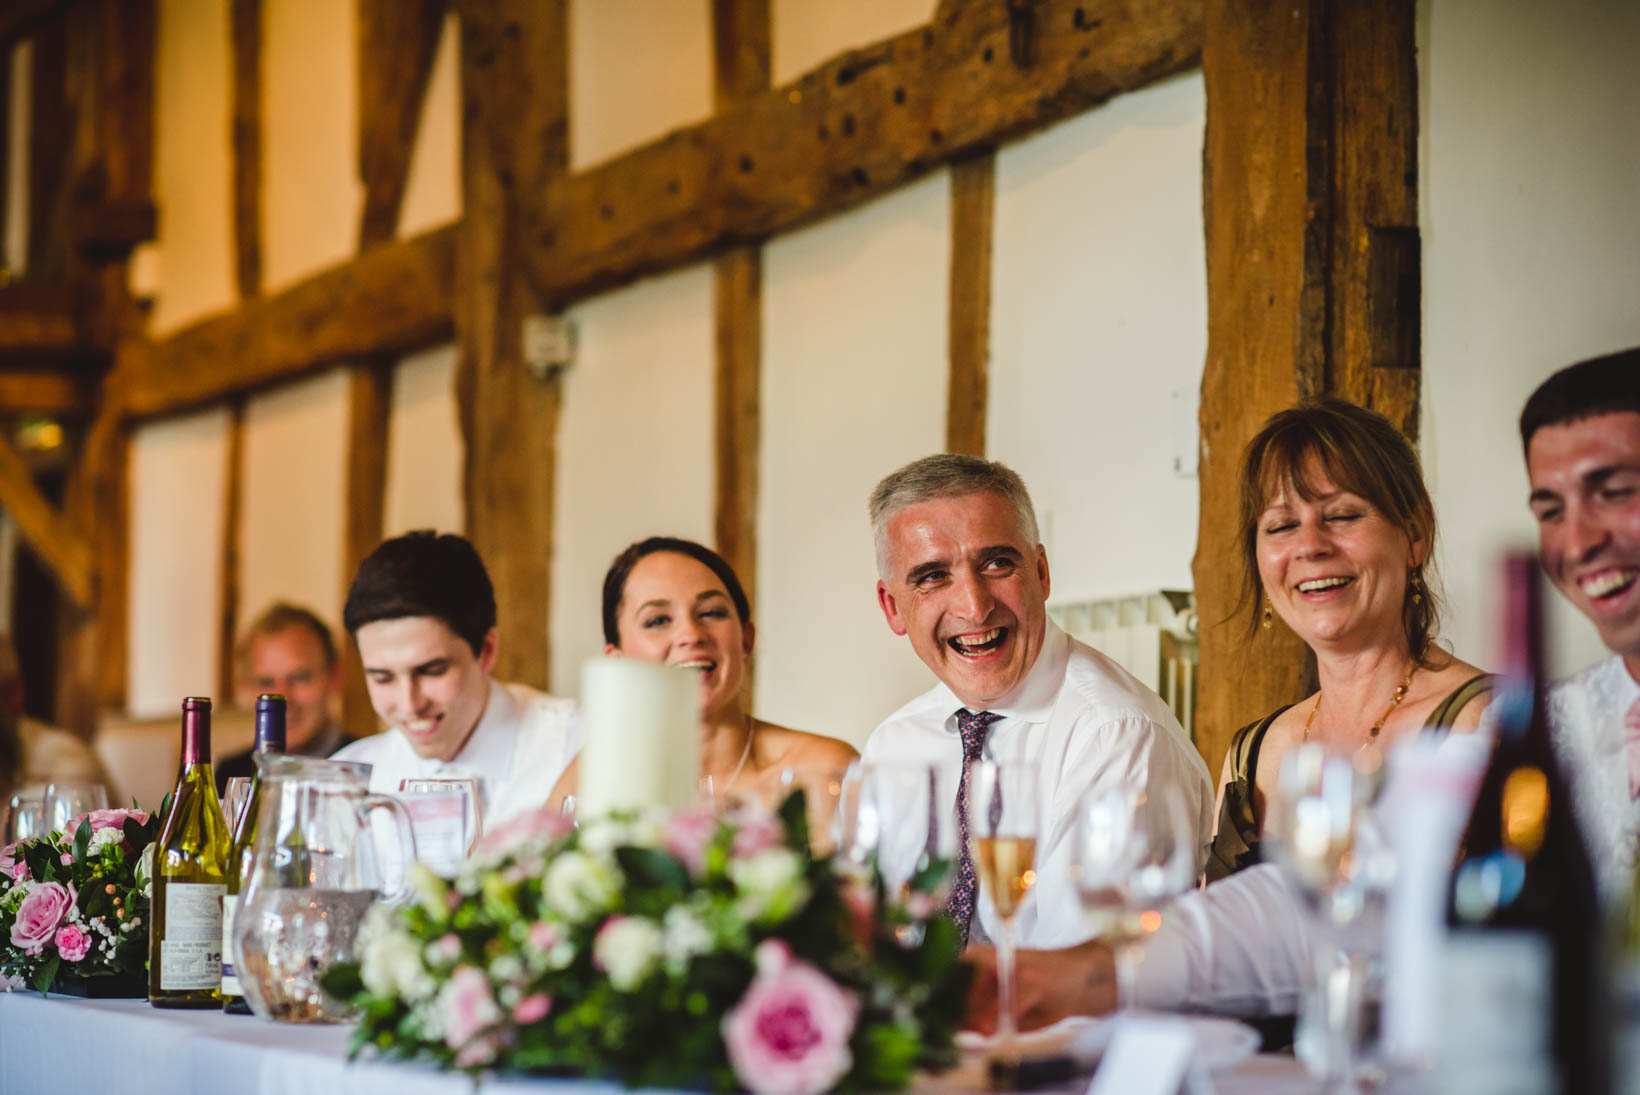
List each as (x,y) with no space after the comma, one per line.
(71,1044)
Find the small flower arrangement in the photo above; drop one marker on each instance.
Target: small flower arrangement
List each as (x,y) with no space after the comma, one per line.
(695,949)
(75,903)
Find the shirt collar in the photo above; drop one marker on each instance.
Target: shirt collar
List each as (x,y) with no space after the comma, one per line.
(1034,699)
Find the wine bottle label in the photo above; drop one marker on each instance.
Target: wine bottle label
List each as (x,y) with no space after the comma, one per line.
(1497,1000)
(190,954)
(230,981)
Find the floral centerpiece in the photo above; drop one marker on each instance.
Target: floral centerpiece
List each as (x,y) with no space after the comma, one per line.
(74,904)
(693,949)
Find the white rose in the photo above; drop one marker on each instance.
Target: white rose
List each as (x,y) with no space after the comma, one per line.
(144,873)
(627,948)
(579,886)
(390,961)
(101,839)
(771,885)
(686,936)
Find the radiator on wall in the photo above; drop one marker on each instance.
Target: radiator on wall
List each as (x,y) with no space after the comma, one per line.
(1151,635)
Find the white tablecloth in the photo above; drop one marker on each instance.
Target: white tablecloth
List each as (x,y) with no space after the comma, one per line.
(127,1047)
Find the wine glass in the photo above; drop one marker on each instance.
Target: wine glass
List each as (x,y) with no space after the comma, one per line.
(446,817)
(66,801)
(1319,829)
(234,795)
(26,814)
(1135,851)
(895,822)
(822,791)
(1002,828)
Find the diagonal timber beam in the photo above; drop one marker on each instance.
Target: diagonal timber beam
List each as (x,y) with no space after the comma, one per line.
(64,551)
(397,40)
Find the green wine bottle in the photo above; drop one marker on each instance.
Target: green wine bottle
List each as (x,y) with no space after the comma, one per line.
(270,738)
(190,874)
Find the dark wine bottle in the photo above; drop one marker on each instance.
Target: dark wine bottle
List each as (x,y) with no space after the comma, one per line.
(190,860)
(1521,980)
(270,738)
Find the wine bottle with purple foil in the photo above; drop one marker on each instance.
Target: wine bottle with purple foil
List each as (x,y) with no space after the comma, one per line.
(1522,992)
(190,876)
(270,738)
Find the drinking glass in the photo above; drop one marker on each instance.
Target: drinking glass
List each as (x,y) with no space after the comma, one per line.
(895,821)
(447,818)
(26,814)
(822,790)
(1135,851)
(234,795)
(66,801)
(1320,830)
(1002,828)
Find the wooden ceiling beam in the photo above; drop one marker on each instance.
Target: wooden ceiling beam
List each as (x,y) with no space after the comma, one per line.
(21,18)
(397,43)
(40,325)
(391,299)
(44,391)
(852,129)
(64,551)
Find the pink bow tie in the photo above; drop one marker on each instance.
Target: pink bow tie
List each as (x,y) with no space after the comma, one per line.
(1631,737)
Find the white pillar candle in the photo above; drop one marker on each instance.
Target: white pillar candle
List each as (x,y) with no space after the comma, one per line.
(642,726)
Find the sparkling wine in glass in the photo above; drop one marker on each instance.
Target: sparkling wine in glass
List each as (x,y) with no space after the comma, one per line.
(1002,830)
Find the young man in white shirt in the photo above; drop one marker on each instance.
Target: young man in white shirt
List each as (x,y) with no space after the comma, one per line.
(963,576)
(422,612)
(1241,946)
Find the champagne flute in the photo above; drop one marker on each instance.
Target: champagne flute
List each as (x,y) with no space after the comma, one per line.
(1135,851)
(234,794)
(1002,828)
(26,814)
(901,827)
(66,801)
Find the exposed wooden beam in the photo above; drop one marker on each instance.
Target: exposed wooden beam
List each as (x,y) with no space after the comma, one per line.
(50,152)
(40,324)
(370,404)
(888,113)
(1284,86)
(64,551)
(45,391)
(973,197)
(233,519)
(246,51)
(514,87)
(740,38)
(397,41)
(393,298)
(21,18)
(854,128)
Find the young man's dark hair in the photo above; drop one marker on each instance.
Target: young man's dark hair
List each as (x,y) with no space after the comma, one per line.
(424,573)
(1609,384)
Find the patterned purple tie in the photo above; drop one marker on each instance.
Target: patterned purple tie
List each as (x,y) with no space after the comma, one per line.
(973,728)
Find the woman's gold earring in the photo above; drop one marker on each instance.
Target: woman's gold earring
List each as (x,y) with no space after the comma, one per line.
(1267,615)
(1417,592)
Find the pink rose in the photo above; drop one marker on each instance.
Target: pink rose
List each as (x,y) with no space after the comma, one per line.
(72,943)
(39,914)
(532,1009)
(543,935)
(758,832)
(467,1008)
(107,819)
(20,873)
(449,946)
(789,1034)
(66,859)
(8,861)
(688,834)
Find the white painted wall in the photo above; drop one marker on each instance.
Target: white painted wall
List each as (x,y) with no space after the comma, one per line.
(637,69)
(1098,334)
(854,385)
(635,446)
(424,449)
(311,194)
(432,192)
(178,479)
(807,33)
(1531,237)
(293,492)
(193,174)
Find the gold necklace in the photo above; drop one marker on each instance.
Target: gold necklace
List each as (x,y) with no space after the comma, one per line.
(1377,727)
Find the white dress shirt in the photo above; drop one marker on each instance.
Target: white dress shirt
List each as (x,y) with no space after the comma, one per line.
(521,745)
(1084,721)
(1242,946)
(1586,711)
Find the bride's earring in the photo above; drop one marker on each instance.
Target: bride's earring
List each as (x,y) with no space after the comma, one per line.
(1268,614)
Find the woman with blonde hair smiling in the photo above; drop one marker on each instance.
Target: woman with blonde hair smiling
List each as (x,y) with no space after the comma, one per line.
(1337,539)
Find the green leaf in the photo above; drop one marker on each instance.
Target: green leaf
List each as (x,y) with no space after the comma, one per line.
(652,869)
(134,834)
(82,840)
(343,981)
(47,973)
(794,814)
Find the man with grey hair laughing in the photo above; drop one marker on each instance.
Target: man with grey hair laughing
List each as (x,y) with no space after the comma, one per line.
(962,574)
